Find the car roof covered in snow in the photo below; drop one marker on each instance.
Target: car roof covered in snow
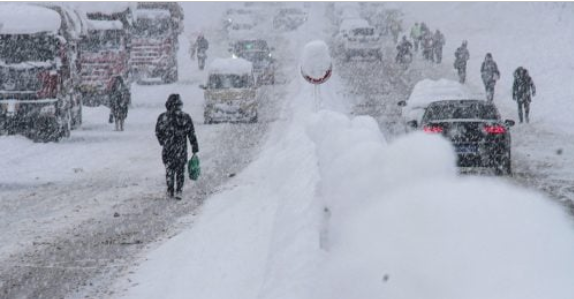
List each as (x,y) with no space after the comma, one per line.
(230,66)
(152,13)
(104,25)
(17,18)
(427,91)
(349,24)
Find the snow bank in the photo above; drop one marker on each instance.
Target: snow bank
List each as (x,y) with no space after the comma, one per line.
(236,66)
(28,19)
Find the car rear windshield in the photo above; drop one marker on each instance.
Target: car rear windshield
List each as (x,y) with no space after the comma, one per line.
(228,81)
(461,110)
(363,31)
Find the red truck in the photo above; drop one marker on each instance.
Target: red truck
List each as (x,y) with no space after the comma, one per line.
(104,51)
(155,42)
(38,76)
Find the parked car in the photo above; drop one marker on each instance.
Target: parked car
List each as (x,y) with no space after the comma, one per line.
(289,18)
(362,41)
(230,93)
(259,53)
(243,27)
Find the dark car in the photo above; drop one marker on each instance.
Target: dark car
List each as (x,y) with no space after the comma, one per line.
(260,55)
(481,139)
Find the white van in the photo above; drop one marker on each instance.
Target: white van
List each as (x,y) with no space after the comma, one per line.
(230,93)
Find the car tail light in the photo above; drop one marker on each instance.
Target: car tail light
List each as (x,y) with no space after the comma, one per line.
(495,129)
(432,129)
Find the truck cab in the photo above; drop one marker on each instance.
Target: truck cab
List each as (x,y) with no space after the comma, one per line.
(104,51)
(37,72)
(155,42)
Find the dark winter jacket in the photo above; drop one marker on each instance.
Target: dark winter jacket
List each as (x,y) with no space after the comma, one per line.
(173,128)
(523,86)
(119,102)
(461,56)
(404,47)
(202,44)
(489,71)
(438,40)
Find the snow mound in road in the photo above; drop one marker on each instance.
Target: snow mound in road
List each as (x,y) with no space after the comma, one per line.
(471,238)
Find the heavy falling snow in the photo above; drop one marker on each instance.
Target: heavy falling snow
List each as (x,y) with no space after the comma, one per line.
(315,191)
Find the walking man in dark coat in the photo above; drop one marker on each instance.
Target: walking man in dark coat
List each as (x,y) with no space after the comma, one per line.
(490,74)
(523,90)
(461,56)
(174,127)
(438,43)
(119,103)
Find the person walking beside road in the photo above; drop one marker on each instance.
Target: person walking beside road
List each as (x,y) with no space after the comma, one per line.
(119,103)
(523,90)
(416,35)
(438,43)
(461,56)
(403,50)
(490,74)
(201,45)
(427,45)
(174,127)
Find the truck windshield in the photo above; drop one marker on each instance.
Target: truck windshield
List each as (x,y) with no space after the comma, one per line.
(28,48)
(363,31)
(101,40)
(152,27)
(228,81)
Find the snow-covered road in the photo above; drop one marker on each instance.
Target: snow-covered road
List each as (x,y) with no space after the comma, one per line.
(78,216)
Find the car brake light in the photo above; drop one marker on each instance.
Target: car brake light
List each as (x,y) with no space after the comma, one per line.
(495,129)
(432,129)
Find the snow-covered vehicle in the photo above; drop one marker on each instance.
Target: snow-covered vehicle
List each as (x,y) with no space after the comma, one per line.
(155,43)
(38,75)
(474,126)
(230,93)
(243,27)
(289,18)
(260,55)
(104,51)
(360,39)
(234,15)
(427,91)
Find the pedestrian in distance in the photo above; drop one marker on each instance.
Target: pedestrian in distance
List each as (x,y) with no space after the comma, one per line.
(438,44)
(416,35)
(404,53)
(461,56)
(173,130)
(523,90)
(490,74)
(119,104)
(427,45)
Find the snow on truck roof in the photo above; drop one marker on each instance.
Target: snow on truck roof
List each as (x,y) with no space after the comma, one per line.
(104,25)
(102,7)
(28,19)
(427,91)
(152,13)
(231,66)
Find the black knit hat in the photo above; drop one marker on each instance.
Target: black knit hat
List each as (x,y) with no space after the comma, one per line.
(173,102)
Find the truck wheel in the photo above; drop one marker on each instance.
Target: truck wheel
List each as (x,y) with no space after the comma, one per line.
(46,130)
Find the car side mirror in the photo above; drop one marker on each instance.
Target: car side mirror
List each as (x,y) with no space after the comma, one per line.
(413,124)
(203,87)
(402,103)
(509,122)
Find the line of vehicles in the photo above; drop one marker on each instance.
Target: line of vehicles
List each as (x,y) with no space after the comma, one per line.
(232,89)
(55,58)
